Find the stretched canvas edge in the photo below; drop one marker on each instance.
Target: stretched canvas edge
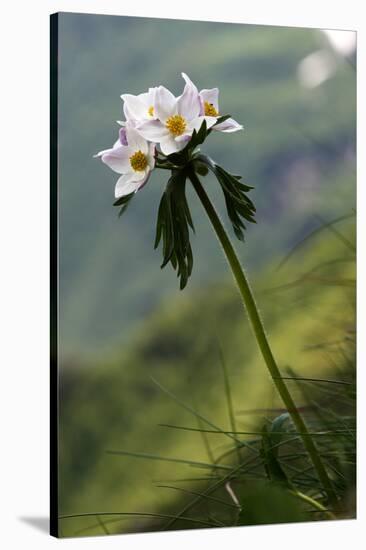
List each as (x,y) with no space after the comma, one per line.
(54,386)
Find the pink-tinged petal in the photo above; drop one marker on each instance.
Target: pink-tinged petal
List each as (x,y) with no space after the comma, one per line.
(211,96)
(135,140)
(122,136)
(165,104)
(110,150)
(134,107)
(103,152)
(228,126)
(153,130)
(125,185)
(118,159)
(128,123)
(189,102)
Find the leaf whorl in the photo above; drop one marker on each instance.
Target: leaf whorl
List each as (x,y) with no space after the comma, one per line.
(174,220)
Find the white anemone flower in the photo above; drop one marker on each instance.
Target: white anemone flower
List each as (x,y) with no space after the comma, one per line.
(132,157)
(210,107)
(140,108)
(177,117)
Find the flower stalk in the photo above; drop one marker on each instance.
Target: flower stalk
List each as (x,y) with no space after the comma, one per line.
(261,337)
(164,131)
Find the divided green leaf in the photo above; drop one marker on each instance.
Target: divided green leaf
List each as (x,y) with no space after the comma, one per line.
(123,202)
(238,204)
(173,223)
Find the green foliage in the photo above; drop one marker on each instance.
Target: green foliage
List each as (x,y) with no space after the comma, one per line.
(268,503)
(183,421)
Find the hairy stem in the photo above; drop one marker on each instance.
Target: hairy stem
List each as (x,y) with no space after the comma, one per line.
(260,335)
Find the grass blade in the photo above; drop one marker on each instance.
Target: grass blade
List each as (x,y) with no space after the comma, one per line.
(168,459)
(229,400)
(195,413)
(196,493)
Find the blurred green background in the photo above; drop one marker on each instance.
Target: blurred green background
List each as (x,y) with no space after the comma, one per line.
(122,319)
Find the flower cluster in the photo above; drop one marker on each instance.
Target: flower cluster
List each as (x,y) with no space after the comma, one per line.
(164,131)
(154,118)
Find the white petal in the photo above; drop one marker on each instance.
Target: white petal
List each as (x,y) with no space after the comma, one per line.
(189,102)
(151,97)
(151,155)
(168,145)
(153,130)
(135,141)
(144,98)
(137,177)
(211,96)
(196,123)
(101,153)
(144,181)
(165,103)
(118,159)
(151,94)
(134,107)
(228,126)
(125,185)
(152,148)
(127,112)
(184,137)
(129,123)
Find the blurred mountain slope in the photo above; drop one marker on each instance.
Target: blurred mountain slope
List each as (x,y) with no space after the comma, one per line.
(297,150)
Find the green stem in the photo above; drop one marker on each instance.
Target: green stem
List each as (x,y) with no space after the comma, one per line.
(314,503)
(261,338)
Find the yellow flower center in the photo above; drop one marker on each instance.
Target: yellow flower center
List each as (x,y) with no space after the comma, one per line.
(138,161)
(210,109)
(151,110)
(176,125)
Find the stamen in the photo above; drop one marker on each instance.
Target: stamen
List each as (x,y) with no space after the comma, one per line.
(151,110)
(176,125)
(210,109)
(138,161)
